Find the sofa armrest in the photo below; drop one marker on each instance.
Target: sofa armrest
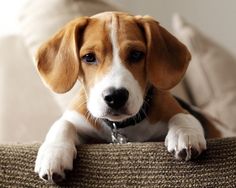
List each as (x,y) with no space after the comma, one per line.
(129,165)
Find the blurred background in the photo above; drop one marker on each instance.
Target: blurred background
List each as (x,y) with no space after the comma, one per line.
(28,108)
(213,17)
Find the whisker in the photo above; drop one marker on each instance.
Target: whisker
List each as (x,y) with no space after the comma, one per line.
(82,84)
(88,115)
(96,120)
(82,103)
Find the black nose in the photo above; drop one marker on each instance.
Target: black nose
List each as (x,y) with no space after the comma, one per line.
(115,98)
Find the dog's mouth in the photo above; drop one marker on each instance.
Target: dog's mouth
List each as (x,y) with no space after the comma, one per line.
(123,118)
(117,115)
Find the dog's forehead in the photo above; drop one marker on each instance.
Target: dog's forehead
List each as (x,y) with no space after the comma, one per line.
(106,28)
(109,15)
(124,25)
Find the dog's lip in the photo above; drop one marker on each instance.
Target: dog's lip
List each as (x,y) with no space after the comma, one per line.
(116,116)
(120,112)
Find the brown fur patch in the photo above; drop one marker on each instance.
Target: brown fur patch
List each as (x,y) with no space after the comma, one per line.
(96,40)
(163,107)
(57,60)
(212,131)
(167,58)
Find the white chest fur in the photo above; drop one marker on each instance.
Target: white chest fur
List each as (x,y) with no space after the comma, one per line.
(143,131)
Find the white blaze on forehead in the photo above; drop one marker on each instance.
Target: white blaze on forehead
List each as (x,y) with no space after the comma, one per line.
(119,74)
(117,77)
(114,40)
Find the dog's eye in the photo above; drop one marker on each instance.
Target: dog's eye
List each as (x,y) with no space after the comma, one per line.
(135,56)
(89,58)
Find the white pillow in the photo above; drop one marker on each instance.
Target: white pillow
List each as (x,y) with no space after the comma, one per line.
(211,76)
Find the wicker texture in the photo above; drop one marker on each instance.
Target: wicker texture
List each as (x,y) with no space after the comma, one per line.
(129,165)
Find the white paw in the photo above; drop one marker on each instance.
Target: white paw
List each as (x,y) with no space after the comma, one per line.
(53,159)
(185,137)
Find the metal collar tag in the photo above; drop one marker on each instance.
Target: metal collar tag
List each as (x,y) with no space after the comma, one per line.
(116,137)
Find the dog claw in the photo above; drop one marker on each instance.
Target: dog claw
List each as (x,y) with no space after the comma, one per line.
(56,178)
(45,177)
(194,153)
(183,154)
(187,154)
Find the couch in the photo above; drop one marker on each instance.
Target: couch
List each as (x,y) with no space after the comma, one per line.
(128,165)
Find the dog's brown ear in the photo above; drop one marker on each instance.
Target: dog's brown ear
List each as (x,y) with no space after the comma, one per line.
(167,58)
(57,59)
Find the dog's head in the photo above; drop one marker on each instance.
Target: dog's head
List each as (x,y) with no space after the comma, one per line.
(116,57)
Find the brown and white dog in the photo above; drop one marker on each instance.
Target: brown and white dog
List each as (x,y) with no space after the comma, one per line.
(126,65)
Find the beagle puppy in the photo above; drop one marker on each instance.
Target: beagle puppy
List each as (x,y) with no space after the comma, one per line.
(126,65)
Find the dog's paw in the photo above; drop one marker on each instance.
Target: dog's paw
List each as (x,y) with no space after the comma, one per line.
(53,160)
(185,141)
(185,144)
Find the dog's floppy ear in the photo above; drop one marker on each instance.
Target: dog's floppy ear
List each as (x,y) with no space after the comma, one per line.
(167,58)
(57,59)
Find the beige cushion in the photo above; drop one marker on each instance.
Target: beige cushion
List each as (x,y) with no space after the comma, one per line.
(211,76)
(144,165)
(26,108)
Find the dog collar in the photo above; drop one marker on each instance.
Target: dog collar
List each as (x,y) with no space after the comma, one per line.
(140,116)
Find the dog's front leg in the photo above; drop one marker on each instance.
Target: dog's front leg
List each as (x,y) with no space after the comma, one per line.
(185,137)
(57,152)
